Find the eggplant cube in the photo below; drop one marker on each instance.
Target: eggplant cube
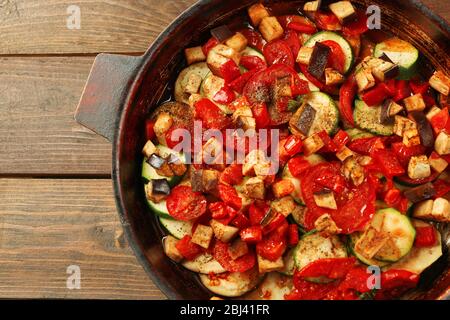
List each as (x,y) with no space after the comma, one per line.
(253,158)
(325,199)
(202,236)
(223,232)
(254,188)
(193,83)
(210,180)
(418,167)
(414,103)
(312,6)
(432,112)
(282,188)
(194,55)
(333,77)
(344,153)
(171,250)
(162,125)
(440,82)
(385,71)
(257,12)
(326,225)
(344,11)
(435,210)
(265,265)
(238,42)
(270,28)
(364,79)
(304,55)
(284,206)
(149,149)
(437,163)
(411,137)
(442,143)
(238,249)
(312,144)
(401,124)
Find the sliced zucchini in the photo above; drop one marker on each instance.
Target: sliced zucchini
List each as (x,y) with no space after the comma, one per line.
(400,52)
(210,86)
(160,209)
(326,113)
(313,247)
(274,287)
(286,174)
(353,238)
(289,263)
(149,173)
(253,52)
(200,68)
(312,86)
(205,264)
(368,118)
(418,259)
(333,36)
(234,284)
(356,133)
(177,228)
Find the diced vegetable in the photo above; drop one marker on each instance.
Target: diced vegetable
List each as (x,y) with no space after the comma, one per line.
(256,13)
(344,10)
(194,55)
(270,28)
(200,69)
(418,167)
(368,118)
(440,82)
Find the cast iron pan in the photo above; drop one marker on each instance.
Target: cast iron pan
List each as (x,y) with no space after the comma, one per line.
(122,90)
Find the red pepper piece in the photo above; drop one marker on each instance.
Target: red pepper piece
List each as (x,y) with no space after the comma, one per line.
(356,27)
(402,90)
(388,163)
(149,132)
(212,42)
(224,96)
(297,166)
(251,234)
(293,236)
(376,95)
(241,221)
(277,221)
(331,268)
(293,145)
(340,139)
(252,62)
(230,196)
(425,237)
(261,115)
(210,114)
(346,97)
(239,83)
(271,249)
(302,27)
(440,120)
(188,249)
(230,71)
(392,197)
(442,187)
(404,153)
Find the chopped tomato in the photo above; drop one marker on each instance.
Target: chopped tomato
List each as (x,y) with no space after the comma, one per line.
(376,95)
(238,84)
(277,221)
(366,146)
(336,59)
(347,94)
(298,165)
(149,132)
(252,62)
(402,90)
(241,221)
(271,249)
(251,234)
(302,27)
(356,27)
(330,268)
(210,114)
(388,163)
(278,51)
(232,174)
(230,196)
(184,204)
(293,235)
(440,120)
(261,115)
(356,279)
(256,213)
(293,145)
(425,237)
(188,249)
(241,264)
(229,71)
(404,153)
(254,39)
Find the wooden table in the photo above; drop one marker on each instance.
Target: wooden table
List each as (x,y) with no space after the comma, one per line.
(56,200)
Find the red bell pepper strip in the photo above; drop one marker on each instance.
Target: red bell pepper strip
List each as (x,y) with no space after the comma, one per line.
(302,27)
(276,221)
(210,114)
(188,249)
(229,71)
(212,42)
(261,115)
(230,196)
(404,153)
(376,96)
(252,62)
(366,146)
(232,174)
(293,145)
(340,139)
(293,235)
(402,90)
(331,268)
(425,237)
(256,214)
(218,210)
(149,132)
(254,38)
(293,41)
(393,278)
(239,83)
(297,166)
(388,163)
(346,97)
(251,234)
(392,197)
(327,21)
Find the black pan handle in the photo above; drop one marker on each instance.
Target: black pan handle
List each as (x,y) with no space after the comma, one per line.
(109,81)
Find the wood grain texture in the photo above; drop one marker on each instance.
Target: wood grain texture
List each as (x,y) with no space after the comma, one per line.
(38,134)
(40,26)
(47,225)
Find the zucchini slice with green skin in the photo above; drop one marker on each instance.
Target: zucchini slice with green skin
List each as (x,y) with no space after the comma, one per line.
(210,86)
(368,118)
(289,263)
(418,259)
(333,36)
(204,264)
(313,247)
(274,287)
(160,209)
(234,284)
(286,174)
(400,52)
(176,228)
(353,238)
(200,68)
(326,112)
(149,173)
(252,52)
(356,133)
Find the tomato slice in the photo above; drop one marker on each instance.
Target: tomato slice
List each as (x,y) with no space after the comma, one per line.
(241,264)
(278,51)
(185,204)
(337,57)
(292,40)
(230,196)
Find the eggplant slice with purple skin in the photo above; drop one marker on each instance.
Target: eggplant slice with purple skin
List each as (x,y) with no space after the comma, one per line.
(424,127)
(319,60)
(419,193)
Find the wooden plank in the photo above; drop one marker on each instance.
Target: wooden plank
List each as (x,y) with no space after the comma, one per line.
(47,225)
(38,135)
(40,26)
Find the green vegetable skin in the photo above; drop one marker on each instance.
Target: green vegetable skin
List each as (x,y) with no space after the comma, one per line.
(368,119)
(400,52)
